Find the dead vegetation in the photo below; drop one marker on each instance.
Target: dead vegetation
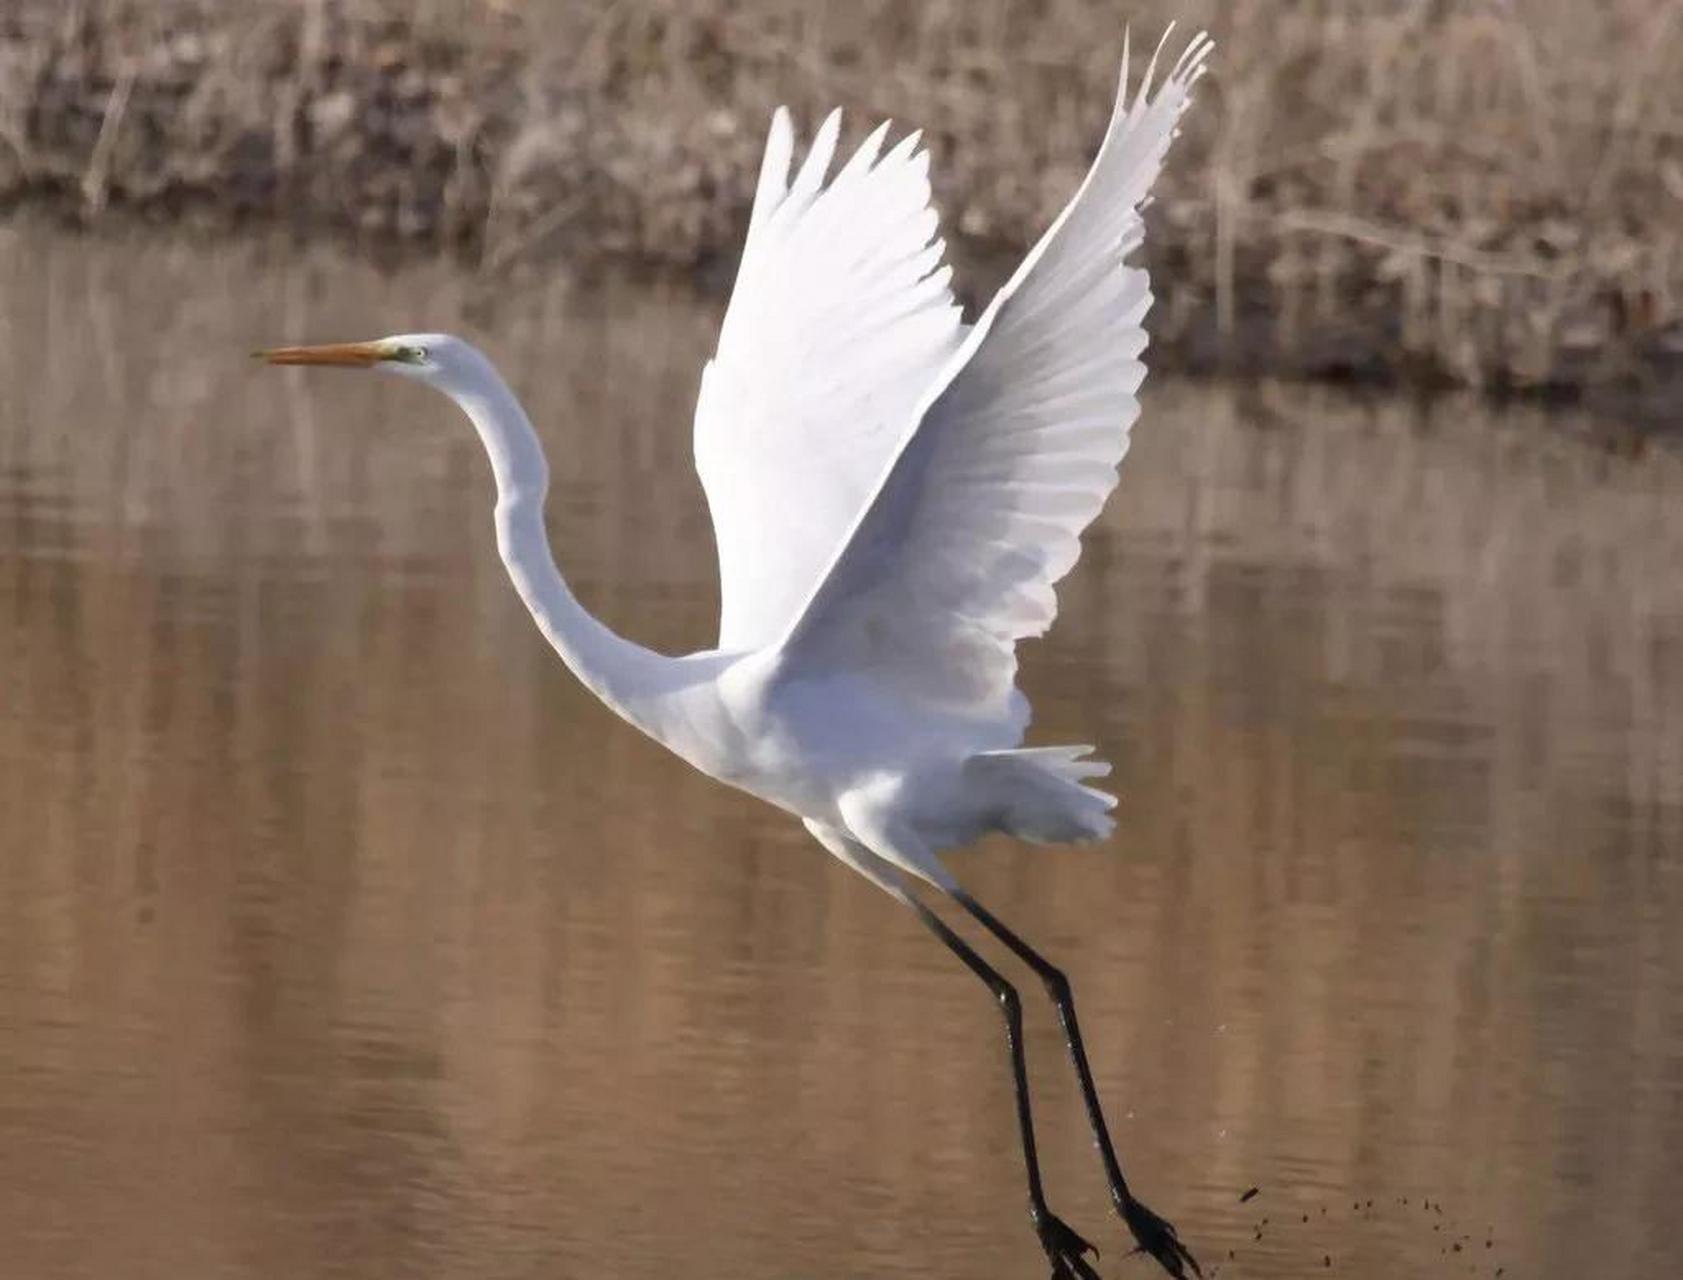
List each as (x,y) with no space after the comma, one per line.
(1487,192)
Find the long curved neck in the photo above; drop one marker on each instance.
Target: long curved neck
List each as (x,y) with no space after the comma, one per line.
(631,679)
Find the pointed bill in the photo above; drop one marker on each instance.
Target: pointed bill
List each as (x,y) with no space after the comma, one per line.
(350,355)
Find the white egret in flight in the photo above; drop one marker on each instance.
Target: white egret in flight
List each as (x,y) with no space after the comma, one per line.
(894,495)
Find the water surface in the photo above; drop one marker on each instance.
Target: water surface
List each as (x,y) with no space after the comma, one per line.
(342,934)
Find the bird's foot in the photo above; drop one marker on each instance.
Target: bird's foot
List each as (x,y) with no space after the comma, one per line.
(1156,1237)
(1065,1249)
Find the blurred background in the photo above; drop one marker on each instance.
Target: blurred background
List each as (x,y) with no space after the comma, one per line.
(342,934)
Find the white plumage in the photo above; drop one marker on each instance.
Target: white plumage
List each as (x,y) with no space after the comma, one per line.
(895,498)
(840,319)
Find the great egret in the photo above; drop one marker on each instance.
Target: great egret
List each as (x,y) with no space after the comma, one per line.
(894,496)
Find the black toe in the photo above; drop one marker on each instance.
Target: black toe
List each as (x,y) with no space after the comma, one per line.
(1154,1236)
(1066,1250)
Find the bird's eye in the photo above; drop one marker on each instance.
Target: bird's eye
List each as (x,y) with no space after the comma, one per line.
(412,355)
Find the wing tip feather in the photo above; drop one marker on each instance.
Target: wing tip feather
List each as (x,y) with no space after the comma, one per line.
(773,182)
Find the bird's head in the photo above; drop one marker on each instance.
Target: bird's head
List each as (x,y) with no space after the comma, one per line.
(437,358)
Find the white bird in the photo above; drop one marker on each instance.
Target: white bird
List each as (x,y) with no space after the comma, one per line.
(894,496)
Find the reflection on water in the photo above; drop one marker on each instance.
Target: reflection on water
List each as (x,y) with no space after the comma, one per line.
(341,934)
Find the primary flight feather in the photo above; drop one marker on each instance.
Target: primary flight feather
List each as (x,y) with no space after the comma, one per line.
(840,319)
(895,497)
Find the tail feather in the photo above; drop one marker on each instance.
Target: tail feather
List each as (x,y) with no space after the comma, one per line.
(1041,792)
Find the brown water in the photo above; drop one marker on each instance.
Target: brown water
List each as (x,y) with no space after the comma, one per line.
(341,934)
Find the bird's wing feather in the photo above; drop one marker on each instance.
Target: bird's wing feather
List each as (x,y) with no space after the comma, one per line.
(980,511)
(840,317)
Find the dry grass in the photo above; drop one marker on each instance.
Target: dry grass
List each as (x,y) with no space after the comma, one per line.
(1489,192)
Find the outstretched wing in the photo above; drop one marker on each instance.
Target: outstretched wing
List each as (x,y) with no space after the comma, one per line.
(840,318)
(1014,451)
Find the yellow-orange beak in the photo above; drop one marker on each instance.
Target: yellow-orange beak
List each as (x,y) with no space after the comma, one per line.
(348,355)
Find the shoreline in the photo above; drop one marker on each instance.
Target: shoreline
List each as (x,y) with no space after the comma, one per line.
(510,135)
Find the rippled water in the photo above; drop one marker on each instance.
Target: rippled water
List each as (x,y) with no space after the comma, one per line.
(341,934)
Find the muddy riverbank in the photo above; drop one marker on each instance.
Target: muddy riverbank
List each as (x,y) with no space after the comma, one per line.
(1491,197)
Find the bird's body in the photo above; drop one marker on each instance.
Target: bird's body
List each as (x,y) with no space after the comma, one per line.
(836,744)
(846,754)
(895,494)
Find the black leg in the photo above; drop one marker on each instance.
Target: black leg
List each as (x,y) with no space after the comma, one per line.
(1151,1233)
(1064,1248)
